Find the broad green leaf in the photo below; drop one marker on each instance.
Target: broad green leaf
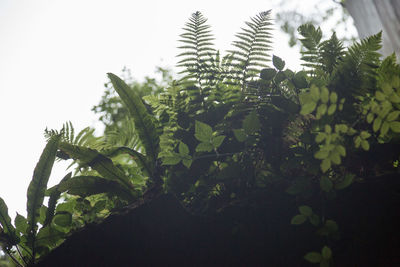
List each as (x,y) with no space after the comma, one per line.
(143,120)
(38,184)
(217,140)
(314,219)
(322,154)
(204,147)
(392,116)
(280,76)
(385,128)
(298,219)
(326,184)
(313,257)
(5,222)
(278,62)
(377,124)
(187,163)
(183,149)
(102,164)
(365,135)
(341,150)
(42,212)
(333,97)
(331,109)
(90,185)
(335,157)
(320,137)
(171,160)
(251,123)
(326,253)
(203,132)
(240,135)
(21,224)
(63,219)
(370,117)
(321,110)
(308,108)
(324,95)
(380,96)
(394,98)
(66,206)
(395,126)
(365,145)
(348,179)
(267,74)
(299,80)
(54,196)
(325,165)
(305,210)
(315,93)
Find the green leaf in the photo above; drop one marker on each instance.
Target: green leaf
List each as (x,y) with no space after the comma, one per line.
(38,184)
(335,157)
(171,160)
(325,165)
(143,120)
(308,108)
(183,149)
(21,224)
(267,74)
(377,124)
(54,196)
(315,93)
(324,95)
(203,132)
(313,257)
(251,123)
(326,253)
(365,145)
(341,150)
(5,221)
(240,135)
(49,237)
(331,109)
(278,62)
(298,219)
(139,158)
(380,96)
(63,219)
(305,210)
(280,76)
(320,137)
(370,117)
(321,110)
(314,219)
(322,154)
(187,163)
(326,184)
(395,126)
(204,147)
(333,97)
(385,128)
(392,116)
(90,185)
(299,80)
(217,140)
(348,180)
(102,164)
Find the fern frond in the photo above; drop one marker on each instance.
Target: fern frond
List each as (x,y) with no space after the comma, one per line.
(251,47)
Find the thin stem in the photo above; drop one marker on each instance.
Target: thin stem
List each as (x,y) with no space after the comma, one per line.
(20,254)
(15,260)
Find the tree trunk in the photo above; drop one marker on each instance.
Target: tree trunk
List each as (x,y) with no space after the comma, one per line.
(373,16)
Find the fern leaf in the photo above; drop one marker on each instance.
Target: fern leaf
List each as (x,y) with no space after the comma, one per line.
(253,42)
(5,222)
(91,185)
(143,120)
(54,196)
(38,185)
(102,164)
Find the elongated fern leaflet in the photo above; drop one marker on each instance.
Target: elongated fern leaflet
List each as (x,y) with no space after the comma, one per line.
(54,196)
(103,165)
(144,123)
(90,185)
(8,228)
(38,185)
(251,49)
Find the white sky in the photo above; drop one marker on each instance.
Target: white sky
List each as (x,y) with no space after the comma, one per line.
(54,56)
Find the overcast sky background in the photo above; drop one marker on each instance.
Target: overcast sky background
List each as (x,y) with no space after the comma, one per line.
(54,56)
